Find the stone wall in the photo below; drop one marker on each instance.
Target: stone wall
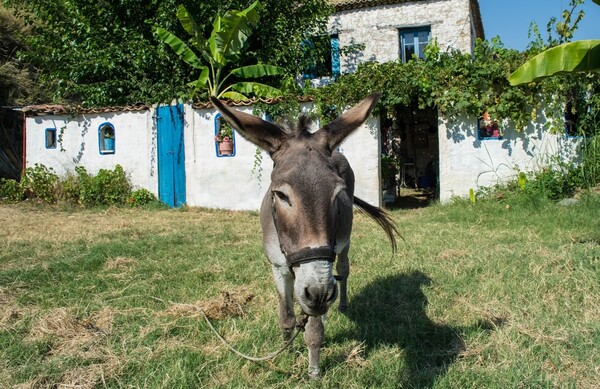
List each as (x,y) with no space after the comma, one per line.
(378,28)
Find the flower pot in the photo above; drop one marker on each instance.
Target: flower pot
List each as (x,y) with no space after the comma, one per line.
(225,147)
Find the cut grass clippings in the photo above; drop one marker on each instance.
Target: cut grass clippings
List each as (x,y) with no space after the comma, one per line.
(490,294)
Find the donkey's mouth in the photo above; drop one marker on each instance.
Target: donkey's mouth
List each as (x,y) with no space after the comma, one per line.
(315,300)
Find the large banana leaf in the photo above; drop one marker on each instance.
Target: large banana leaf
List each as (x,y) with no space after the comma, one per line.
(190,26)
(233,96)
(578,56)
(179,47)
(257,88)
(230,33)
(257,71)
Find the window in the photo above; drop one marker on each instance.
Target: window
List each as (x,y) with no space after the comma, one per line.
(224,138)
(50,138)
(413,42)
(106,138)
(322,54)
(581,117)
(487,127)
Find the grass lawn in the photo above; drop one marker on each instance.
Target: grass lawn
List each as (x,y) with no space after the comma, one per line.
(485,295)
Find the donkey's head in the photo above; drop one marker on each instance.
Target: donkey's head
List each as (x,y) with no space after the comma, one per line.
(310,198)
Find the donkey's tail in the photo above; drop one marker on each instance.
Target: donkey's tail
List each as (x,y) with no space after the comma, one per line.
(381,217)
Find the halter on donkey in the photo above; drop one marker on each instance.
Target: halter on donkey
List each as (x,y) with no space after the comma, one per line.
(306,214)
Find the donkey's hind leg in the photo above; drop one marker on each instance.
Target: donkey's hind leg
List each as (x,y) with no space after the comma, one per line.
(285,291)
(343,269)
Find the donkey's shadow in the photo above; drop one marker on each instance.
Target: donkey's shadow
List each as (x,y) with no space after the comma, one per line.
(391,311)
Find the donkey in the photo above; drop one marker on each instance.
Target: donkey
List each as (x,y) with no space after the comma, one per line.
(306,214)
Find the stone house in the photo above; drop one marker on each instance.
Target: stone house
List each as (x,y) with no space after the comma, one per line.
(172,151)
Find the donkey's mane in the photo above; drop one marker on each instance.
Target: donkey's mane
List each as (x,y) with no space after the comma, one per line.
(300,128)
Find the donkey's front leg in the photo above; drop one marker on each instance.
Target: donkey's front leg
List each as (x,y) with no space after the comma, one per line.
(285,293)
(313,336)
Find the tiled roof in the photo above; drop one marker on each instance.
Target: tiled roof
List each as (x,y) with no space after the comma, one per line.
(58,109)
(341,5)
(273,100)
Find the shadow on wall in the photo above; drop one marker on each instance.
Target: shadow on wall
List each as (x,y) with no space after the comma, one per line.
(392,311)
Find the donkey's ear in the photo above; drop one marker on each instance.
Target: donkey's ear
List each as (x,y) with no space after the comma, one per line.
(264,134)
(338,129)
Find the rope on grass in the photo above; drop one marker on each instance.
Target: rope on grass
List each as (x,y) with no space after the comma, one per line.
(298,329)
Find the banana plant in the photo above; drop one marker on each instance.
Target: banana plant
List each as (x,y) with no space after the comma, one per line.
(226,43)
(578,56)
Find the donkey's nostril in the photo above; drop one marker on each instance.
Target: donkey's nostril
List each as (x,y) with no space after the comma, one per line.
(332,295)
(306,293)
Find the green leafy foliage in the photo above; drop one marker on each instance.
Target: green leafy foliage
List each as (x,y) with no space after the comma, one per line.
(579,56)
(107,187)
(141,197)
(40,182)
(227,40)
(11,191)
(108,54)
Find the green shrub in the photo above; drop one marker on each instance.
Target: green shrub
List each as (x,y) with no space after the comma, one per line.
(11,191)
(40,182)
(108,187)
(142,197)
(552,184)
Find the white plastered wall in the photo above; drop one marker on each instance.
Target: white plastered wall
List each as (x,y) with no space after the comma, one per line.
(467,162)
(135,145)
(234,183)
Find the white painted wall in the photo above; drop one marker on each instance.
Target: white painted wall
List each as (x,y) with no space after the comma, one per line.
(221,182)
(467,162)
(211,181)
(377,28)
(135,145)
(229,183)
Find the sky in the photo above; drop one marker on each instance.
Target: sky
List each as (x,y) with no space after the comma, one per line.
(510,19)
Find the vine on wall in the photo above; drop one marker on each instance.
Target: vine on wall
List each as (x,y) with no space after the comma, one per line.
(458,83)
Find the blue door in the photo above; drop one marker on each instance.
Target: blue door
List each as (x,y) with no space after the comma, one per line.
(171,155)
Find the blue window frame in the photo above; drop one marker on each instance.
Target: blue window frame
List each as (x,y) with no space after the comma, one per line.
(50,134)
(224,138)
(413,42)
(106,138)
(329,63)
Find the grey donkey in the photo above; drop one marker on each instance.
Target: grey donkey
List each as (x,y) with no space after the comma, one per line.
(306,214)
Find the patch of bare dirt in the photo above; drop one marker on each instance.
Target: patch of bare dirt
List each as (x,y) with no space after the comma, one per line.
(226,305)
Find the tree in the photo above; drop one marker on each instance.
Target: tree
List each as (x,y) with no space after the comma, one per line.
(227,40)
(98,52)
(17,78)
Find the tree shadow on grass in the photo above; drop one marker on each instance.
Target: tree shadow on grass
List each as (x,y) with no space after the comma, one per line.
(391,311)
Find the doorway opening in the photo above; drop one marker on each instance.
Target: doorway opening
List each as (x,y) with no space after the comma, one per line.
(410,156)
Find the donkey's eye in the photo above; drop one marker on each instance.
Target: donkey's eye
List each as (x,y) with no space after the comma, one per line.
(282,196)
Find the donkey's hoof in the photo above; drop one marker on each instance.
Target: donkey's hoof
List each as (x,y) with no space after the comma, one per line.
(314,373)
(342,308)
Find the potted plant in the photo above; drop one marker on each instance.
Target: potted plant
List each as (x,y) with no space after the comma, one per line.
(109,139)
(488,127)
(224,138)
